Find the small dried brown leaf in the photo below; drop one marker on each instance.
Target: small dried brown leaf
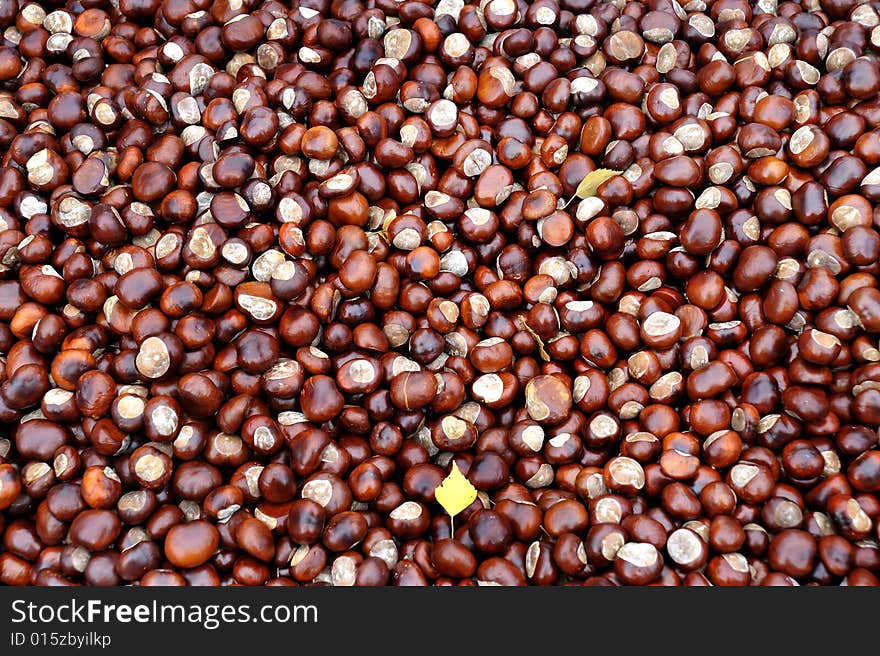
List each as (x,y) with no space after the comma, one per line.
(541,350)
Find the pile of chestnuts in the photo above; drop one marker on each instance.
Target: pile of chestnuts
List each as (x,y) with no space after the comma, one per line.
(269,268)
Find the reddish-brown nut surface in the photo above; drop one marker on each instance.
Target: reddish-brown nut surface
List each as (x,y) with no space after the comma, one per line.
(269,269)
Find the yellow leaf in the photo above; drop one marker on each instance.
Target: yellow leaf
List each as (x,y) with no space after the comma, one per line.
(455,493)
(590,184)
(386,223)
